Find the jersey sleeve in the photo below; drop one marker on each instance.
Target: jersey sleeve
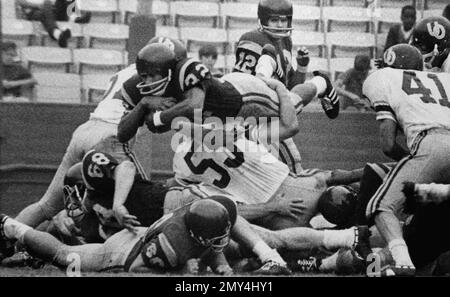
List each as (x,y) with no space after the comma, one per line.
(375,89)
(130,93)
(191,74)
(98,171)
(248,52)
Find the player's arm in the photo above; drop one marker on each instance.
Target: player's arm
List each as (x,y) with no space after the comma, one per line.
(285,206)
(298,76)
(194,99)
(217,262)
(124,175)
(388,136)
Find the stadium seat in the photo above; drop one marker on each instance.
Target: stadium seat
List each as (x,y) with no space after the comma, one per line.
(76,41)
(435,4)
(380,42)
(196,37)
(233,37)
(195,14)
(349,19)
(19,31)
(306,18)
(58,88)
(47,59)
(342,44)
(388,17)
(106,36)
(168,31)
(8,10)
(313,41)
(239,15)
(94,86)
(352,3)
(432,12)
(160,10)
(309,2)
(103,11)
(340,65)
(396,3)
(97,61)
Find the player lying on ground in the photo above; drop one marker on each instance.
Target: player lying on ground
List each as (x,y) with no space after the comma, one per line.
(242,166)
(172,240)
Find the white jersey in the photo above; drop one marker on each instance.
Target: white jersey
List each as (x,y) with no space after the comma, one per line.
(416,100)
(245,169)
(111,108)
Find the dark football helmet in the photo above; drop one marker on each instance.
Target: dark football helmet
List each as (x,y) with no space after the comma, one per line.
(275,8)
(403,56)
(210,220)
(338,204)
(154,59)
(175,45)
(432,37)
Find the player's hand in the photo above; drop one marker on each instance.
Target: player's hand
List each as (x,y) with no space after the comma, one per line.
(224,269)
(126,220)
(303,57)
(272,83)
(192,266)
(291,207)
(65,225)
(379,63)
(153,103)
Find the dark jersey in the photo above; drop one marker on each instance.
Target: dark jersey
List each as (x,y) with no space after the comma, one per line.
(221,98)
(145,200)
(249,50)
(167,244)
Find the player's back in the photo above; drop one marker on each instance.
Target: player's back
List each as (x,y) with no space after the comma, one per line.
(244,168)
(111,108)
(418,100)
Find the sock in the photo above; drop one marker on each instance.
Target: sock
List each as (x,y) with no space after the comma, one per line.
(338,238)
(265,253)
(57,33)
(399,251)
(320,83)
(15,230)
(329,263)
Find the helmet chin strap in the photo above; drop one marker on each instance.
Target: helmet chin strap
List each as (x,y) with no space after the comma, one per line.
(431,56)
(284,32)
(156,88)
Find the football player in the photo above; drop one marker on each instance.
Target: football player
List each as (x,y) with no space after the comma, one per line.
(267,51)
(432,37)
(164,246)
(405,97)
(243,167)
(161,73)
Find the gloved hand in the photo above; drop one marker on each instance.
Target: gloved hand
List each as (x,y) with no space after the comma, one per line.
(302,59)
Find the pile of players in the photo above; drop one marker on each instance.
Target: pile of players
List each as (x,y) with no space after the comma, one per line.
(240,200)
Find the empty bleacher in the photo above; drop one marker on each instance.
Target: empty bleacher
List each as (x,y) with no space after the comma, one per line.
(330,29)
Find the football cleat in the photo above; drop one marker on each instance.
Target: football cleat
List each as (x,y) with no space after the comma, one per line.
(362,243)
(271,267)
(306,265)
(329,99)
(7,248)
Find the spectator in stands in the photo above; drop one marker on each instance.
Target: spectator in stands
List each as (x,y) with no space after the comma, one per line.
(446,12)
(48,12)
(208,56)
(401,33)
(17,80)
(349,84)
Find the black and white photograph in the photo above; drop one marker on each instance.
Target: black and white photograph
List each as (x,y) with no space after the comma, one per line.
(225,146)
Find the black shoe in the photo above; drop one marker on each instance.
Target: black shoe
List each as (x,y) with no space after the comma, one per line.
(64,38)
(329,99)
(6,245)
(84,19)
(305,265)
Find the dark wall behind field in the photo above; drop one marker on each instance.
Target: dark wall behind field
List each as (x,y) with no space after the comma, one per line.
(38,134)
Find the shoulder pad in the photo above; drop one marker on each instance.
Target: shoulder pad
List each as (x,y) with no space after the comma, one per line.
(190,73)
